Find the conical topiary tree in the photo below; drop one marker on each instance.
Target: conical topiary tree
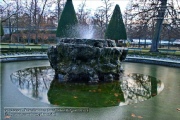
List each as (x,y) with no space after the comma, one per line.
(67,20)
(116,29)
(1,29)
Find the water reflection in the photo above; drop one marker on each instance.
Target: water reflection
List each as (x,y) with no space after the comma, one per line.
(85,95)
(40,84)
(34,82)
(139,87)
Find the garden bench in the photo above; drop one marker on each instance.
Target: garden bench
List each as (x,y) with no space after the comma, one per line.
(20,45)
(16,46)
(135,49)
(12,46)
(44,46)
(167,51)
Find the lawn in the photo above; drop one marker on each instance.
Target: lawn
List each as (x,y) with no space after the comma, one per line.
(11,48)
(6,48)
(146,52)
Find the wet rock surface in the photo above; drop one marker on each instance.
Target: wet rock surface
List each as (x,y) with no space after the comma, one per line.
(86,60)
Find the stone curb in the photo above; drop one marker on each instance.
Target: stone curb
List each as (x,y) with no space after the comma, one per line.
(170,63)
(163,62)
(23,58)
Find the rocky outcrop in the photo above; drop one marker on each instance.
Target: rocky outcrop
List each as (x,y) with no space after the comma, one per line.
(86,60)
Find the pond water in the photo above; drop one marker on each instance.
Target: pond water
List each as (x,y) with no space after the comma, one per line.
(39,83)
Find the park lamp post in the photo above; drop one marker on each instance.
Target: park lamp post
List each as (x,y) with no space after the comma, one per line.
(168,28)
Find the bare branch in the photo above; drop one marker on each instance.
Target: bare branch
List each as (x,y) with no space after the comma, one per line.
(8,17)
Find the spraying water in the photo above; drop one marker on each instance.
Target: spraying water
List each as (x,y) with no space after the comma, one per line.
(81,31)
(87,32)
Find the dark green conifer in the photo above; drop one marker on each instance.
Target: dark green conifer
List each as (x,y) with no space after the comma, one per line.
(116,28)
(67,20)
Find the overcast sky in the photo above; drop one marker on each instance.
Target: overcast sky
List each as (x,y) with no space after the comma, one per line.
(93,4)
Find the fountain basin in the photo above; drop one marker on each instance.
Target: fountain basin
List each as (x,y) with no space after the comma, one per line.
(38,83)
(86,60)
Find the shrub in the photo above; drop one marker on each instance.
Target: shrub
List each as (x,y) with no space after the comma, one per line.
(116,28)
(67,20)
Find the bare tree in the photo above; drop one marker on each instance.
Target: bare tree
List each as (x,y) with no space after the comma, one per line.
(83,14)
(160,18)
(59,8)
(99,22)
(155,14)
(101,17)
(17,18)
(9,15)
(107,5)
(36,12)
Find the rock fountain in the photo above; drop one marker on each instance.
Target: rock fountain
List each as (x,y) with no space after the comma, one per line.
(86,60)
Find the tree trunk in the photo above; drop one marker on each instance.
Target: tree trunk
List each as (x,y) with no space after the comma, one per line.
(139,42)
(35,21)
(59,9)
(10,27)
(158,27)
(145,43)
(29,29)
(17,21)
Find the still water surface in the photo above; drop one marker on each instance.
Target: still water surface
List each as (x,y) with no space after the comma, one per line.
(39,83)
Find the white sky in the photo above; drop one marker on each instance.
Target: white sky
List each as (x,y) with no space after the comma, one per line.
(93,4)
